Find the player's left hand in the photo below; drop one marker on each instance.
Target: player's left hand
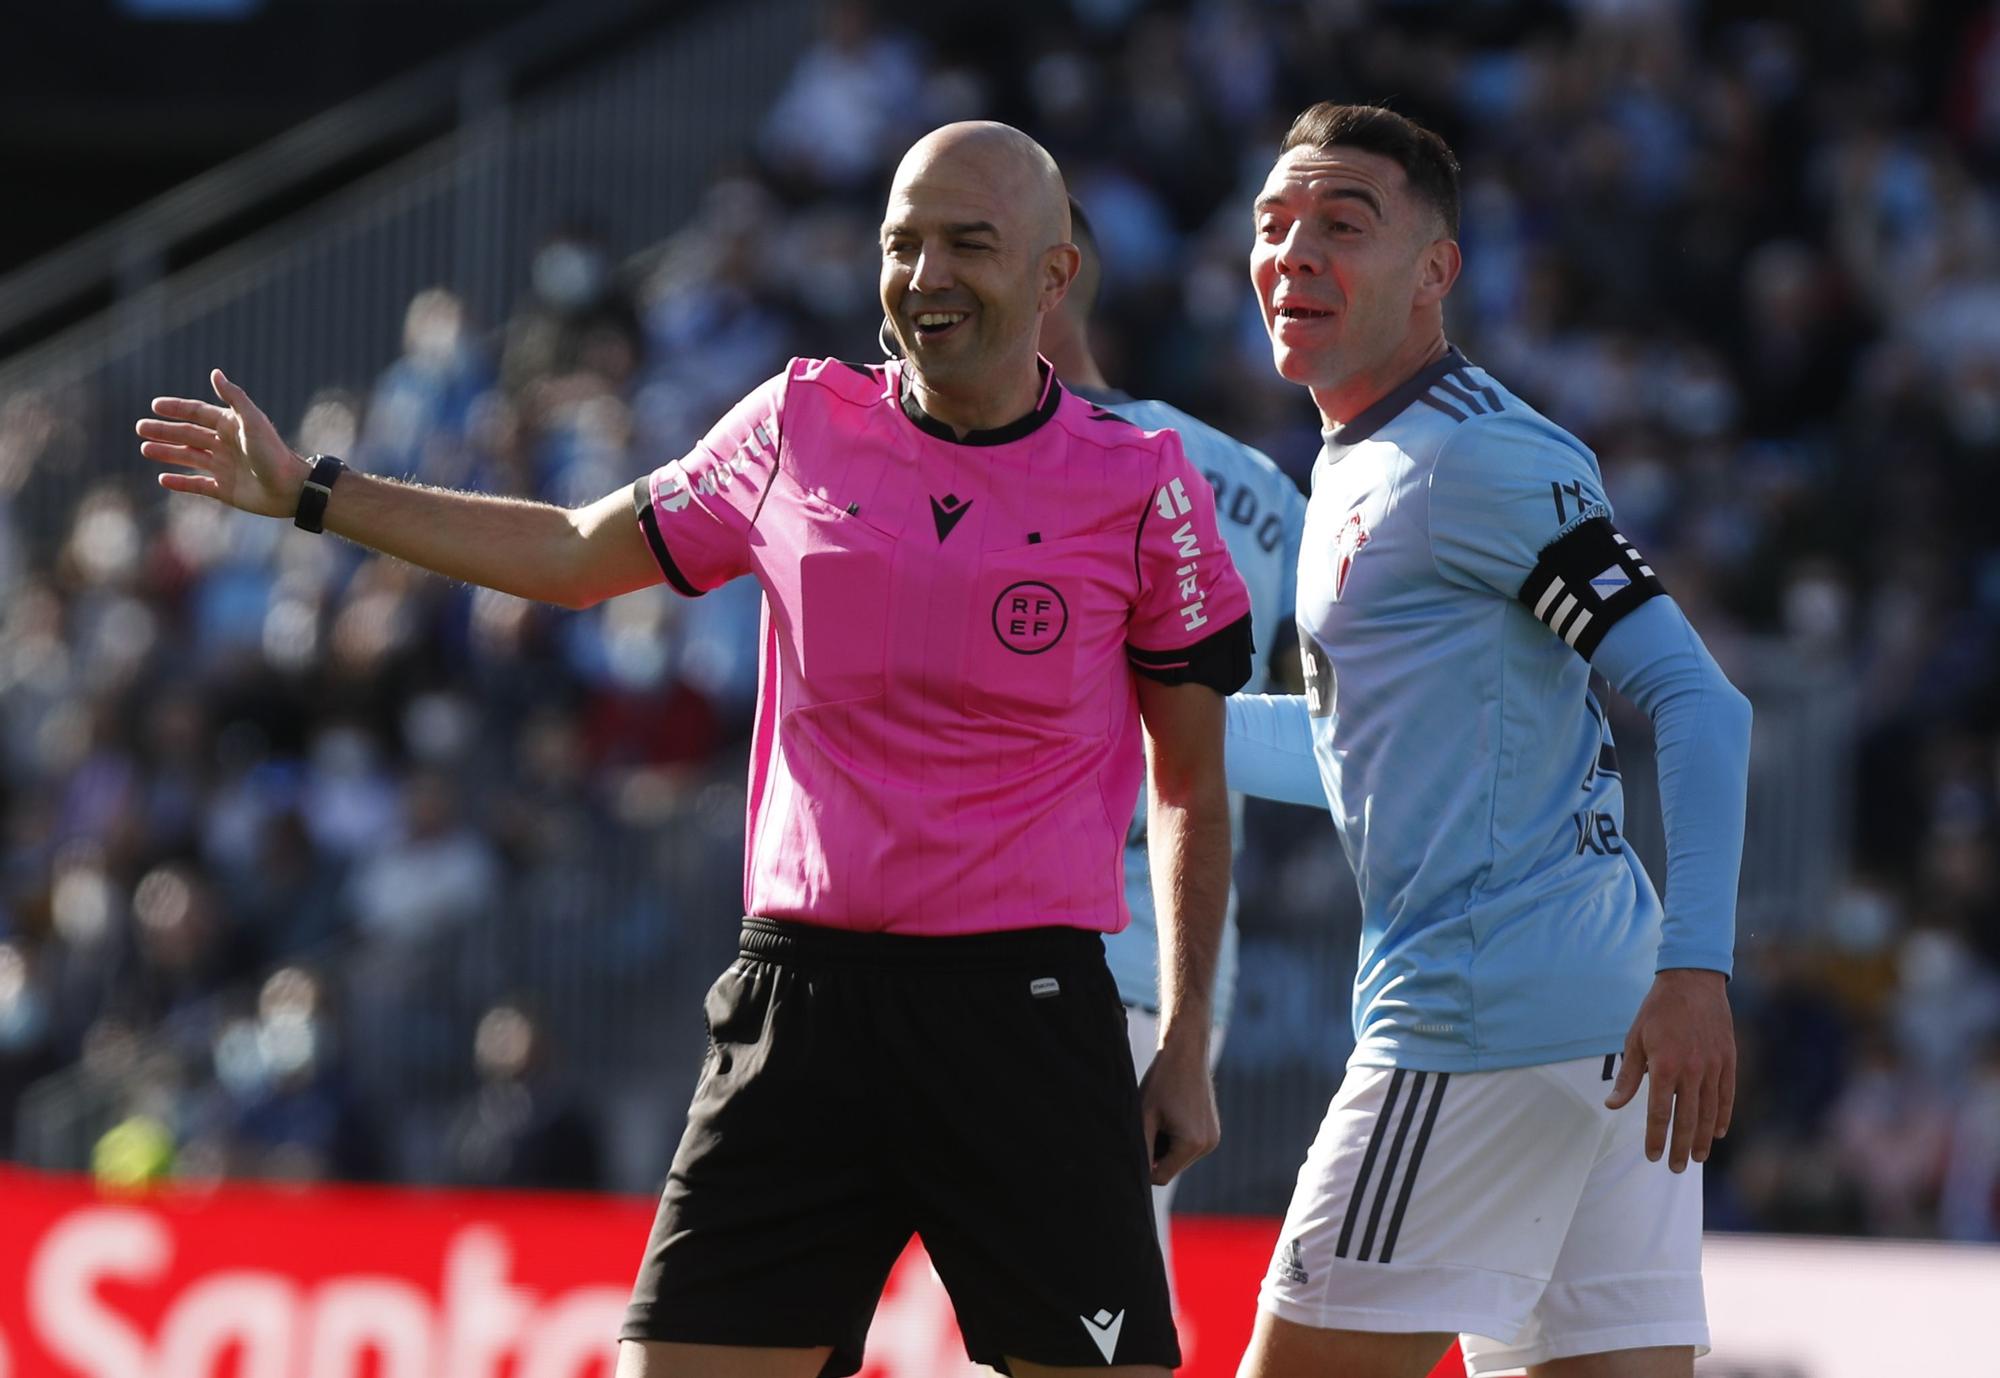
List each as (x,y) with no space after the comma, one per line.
(1683,1044)
(1177,1101)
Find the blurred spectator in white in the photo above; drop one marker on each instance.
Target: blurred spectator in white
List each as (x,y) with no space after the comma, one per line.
(719,642)
(586,449)
(87,920)
(36,671)
(27,1033)
(716,324)
(379,624)
(1233,50)
(349,797)
(1134,225)
(1970,1208)
(847,108)
(438,874)
(1890,1127)
(331,423)
(419,903)
(420,410)
(519,1127)
(180,958)
(283,1111)
(1946,1004)
(576,332)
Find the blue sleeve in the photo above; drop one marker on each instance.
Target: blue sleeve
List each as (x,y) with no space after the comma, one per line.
(1502,490)
(1270,749)
(1701,728)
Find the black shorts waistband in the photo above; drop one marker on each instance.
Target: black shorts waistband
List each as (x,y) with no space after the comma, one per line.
(786,940)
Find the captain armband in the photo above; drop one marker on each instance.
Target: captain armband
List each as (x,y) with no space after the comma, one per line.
(1585,581)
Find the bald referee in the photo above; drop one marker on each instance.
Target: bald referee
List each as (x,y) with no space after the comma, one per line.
(979,589)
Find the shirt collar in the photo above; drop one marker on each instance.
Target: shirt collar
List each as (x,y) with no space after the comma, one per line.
(1392,404)
(1022,426)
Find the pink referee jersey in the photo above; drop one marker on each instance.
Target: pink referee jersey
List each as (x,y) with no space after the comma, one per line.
(947,732)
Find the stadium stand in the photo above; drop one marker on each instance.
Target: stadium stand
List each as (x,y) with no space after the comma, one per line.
(288,831)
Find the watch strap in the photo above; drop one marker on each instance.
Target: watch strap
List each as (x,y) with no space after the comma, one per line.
(311,515)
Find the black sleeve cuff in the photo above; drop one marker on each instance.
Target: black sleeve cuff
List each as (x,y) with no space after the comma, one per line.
(1586,581)
(1221,660)
(649,522)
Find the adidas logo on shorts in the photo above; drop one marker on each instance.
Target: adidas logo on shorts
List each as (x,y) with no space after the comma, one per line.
(1291,1267)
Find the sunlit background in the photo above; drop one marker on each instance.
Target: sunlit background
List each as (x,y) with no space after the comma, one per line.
(316,869)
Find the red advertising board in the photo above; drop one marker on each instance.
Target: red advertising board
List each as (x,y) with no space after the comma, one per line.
(343,1282)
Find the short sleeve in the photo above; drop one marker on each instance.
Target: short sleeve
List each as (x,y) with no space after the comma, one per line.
(1519,512)
(1191,621)
(698,511)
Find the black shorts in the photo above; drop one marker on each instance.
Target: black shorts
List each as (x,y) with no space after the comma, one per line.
(862,1087)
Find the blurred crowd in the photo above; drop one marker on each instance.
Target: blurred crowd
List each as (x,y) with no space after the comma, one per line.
(291,833)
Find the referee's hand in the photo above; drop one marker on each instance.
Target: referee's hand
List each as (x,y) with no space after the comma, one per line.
(1177,1100)
(1683,1044)
(232,452)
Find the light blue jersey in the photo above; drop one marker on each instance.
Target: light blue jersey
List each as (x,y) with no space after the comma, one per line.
(1262,514)
(1461,567)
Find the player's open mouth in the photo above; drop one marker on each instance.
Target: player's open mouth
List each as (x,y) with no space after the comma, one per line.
(932,324)
(1299,323)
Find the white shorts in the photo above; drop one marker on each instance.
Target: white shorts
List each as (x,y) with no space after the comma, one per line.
(1510,1207)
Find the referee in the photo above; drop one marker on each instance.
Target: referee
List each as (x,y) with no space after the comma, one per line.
(990,607)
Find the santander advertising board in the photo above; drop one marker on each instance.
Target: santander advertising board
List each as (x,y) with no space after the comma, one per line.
(251,1281)
(259,1283)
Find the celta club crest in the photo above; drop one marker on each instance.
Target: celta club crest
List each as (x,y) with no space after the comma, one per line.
(1346,546)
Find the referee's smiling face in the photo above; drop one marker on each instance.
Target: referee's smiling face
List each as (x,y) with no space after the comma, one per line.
(966,265)
(1340,264)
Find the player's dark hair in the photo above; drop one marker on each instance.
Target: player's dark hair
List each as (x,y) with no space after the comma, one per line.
(1427,160)
(1089,274)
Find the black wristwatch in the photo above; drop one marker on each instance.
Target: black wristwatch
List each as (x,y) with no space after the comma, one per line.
(311,515)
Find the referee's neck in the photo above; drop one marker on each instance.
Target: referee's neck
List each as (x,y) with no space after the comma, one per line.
(986,404)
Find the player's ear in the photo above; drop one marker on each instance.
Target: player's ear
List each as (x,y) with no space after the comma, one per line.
(1437,270)
(1060,265)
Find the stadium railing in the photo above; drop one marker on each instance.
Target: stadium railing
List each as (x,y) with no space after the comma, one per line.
(318,299)
(613,950)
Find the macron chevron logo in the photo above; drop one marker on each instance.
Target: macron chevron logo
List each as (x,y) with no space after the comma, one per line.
(1104,1328)
(945,514)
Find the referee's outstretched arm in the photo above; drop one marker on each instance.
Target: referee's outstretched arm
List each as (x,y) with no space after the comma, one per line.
(233,454)
(1188,847)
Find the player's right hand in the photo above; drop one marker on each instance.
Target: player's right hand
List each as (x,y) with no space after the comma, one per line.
(235,453)
(1177,1105)
(1682,1046)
